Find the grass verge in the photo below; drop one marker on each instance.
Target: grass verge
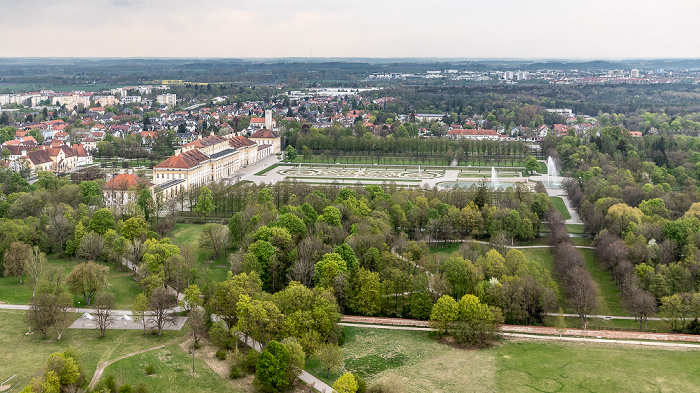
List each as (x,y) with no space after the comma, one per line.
(561,207)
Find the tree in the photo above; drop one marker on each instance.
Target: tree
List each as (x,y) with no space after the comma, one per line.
(145,202)
(196,320)
(271,370)
(444,313)
(331,357)
(160,304)
(16,259)
(261,320)
(134,228)
(214,238)
(104,310)
(531,164)
(560,323)
(582,293)
(86,279)
(101,221)
(63,316)
(346,384)
(192,298)
(205,202)
(366,292)
(224,302)
(91,246)
(139,310)
(42,315)
(291,153)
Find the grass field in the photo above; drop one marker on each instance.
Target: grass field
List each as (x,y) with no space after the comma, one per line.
(26,354)
(607,293)
(561,207)
(415,362)
(554,367)
(412,362)
(189,234)
(120,283)
(173,372)
(575,228)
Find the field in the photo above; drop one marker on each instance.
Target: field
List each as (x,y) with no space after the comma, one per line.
(531,366)
(412,362)
(189,234)
(561,207)
(173,372)
(120,283)
(29,352)
(415,362)
(607,293)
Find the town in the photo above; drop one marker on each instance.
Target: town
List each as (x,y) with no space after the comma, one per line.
(331,197)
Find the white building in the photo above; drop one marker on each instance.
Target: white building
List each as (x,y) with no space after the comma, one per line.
(168,99)
(634,73)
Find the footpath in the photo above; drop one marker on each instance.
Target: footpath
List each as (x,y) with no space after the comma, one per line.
(538,332)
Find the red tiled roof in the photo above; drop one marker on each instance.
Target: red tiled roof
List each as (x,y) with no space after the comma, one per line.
(207,141)
(264,133)
(126,181)
(460,131)
(188,159)
(240,142)
(39,157)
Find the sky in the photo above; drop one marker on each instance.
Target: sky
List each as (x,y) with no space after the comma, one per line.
(525,29)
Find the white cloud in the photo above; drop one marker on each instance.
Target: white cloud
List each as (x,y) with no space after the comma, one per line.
(330,28)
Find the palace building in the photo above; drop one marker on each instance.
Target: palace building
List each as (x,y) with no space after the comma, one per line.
(206,160)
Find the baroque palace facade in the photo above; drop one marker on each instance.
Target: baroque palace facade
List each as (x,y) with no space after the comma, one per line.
(211,159)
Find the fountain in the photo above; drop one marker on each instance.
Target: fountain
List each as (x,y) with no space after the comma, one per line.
(418,168)
(552,172)
(299,168)
(494,178)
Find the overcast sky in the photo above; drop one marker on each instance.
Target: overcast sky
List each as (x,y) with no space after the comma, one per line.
(587,29)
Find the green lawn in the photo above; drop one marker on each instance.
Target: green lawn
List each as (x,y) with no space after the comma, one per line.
(561,207)
(415,362)
(444,248)
(120,283)
(532,366)
(189,234)
(173,372)
(607,293)
(25,354)
(412,362)
(575,228)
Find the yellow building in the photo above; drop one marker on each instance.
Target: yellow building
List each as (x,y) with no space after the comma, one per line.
(265,136)
(203,161)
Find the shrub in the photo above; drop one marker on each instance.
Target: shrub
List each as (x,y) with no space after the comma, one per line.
(361,384)
(140,388)
(251,361)
(126,388)
(150,369)
(236,372)
(221,354)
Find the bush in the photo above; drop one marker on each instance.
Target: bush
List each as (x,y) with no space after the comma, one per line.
(221,354)
(140,388)
(126,388)
(361,384)
(236,372)
(110,383)
(251,361)
(150,369)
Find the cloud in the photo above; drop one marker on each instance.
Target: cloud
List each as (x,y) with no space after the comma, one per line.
(410,28)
